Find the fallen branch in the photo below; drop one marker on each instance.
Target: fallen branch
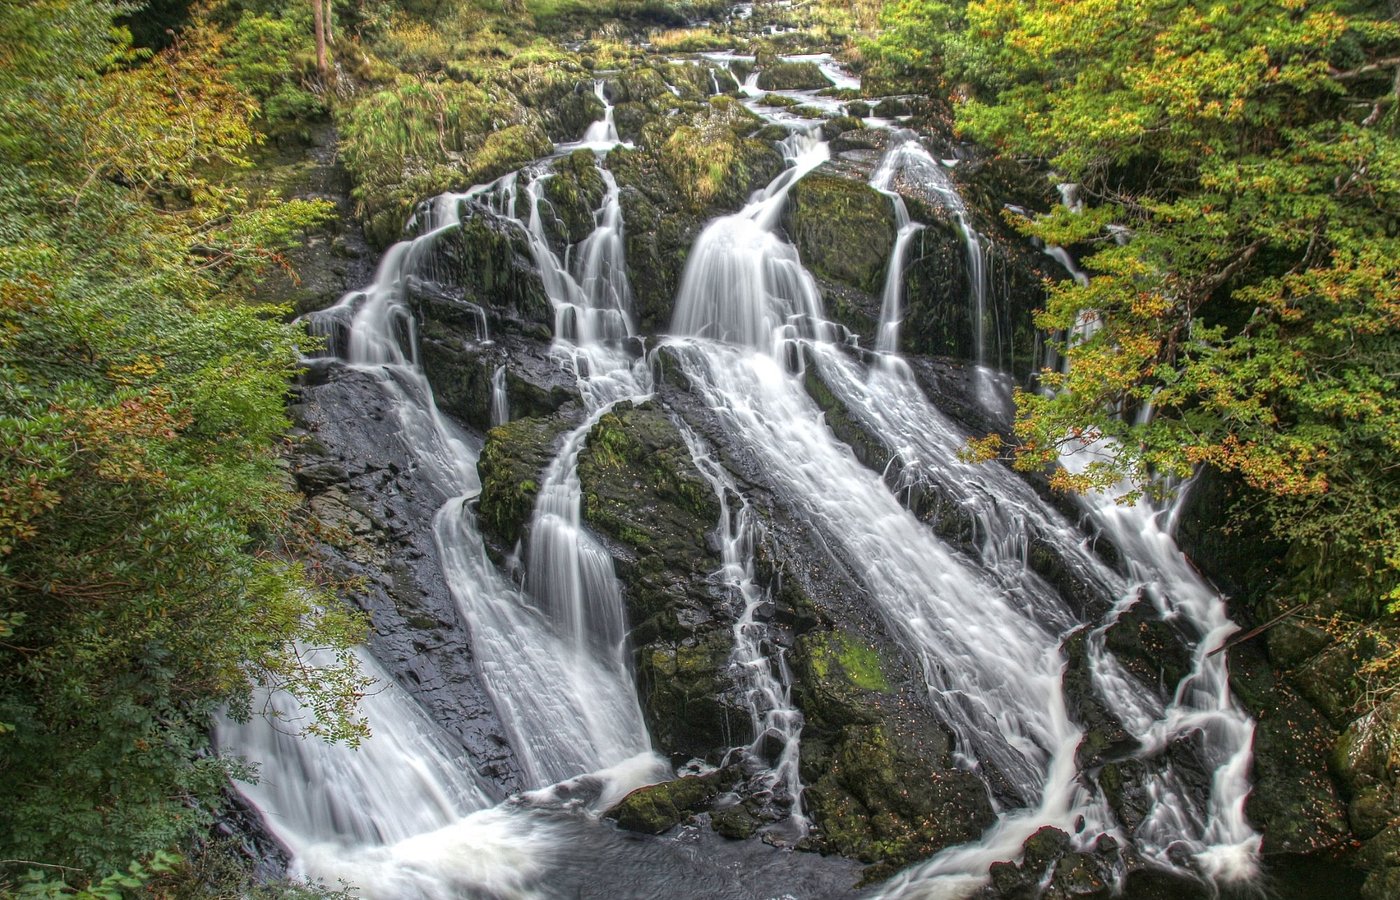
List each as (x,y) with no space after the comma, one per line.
(1255,632)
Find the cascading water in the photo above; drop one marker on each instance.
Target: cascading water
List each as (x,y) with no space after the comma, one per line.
(908,159)
(744,284)
(764,676)
(988,637)
(399,818)
(908,153)
(500,400)
(423,828)
(601,135)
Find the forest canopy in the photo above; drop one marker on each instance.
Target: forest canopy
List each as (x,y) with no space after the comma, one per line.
(1235,199)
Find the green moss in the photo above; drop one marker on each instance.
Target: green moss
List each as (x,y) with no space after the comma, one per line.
(843,228)
(659,807)
(835,654)
(509,465)
(880,802)
(792,76)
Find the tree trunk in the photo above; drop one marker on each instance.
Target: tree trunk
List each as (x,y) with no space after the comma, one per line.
(318,14)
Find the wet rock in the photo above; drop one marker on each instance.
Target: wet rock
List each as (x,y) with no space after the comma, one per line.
(511,466)
(1104,734)
(843,229)
(1122,784)
(641,492)
(1051,868)
(834,128)
(657,808)
(1331,679)
(573,191)
(1295,802)
(836,672)
(792,76)
(735,823)
(484,264)
(683,686)
(882,800)
(344,425)
(1149,647)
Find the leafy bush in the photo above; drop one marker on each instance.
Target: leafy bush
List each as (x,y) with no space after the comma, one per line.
(141,405)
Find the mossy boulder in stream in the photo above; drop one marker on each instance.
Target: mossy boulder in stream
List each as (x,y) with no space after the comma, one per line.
(881,799)
(792,76)
(485,263)
(657,808)
(880,788)
(574,192)
(844,229)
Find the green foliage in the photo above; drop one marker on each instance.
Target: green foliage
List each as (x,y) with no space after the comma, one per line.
(1250,151)
(270,59)
(421,136)
(141,403)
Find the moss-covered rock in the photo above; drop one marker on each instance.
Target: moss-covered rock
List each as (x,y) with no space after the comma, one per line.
(1149,647)
(640,488)
(879,799)
(835,673)
(641,491)
(671,186)
(1295,802)
(792,76)
(834,128)
(574,191)
(684,686)
(656,808)
(511,465)
(844,229)
(485,264)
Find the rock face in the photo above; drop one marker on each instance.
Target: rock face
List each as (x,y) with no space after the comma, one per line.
(879,790)
(843,229)
(377,518)
(511,465)
(642,492)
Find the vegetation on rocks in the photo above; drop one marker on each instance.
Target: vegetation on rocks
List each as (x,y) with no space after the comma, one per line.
(843,229)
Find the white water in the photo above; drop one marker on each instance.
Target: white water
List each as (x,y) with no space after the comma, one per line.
(500,400)
(744,284)
(909,153)
(766,678)
(399,817)
(988,637)
(600,136)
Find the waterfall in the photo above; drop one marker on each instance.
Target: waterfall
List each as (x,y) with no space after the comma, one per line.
(987,632)
(909,159)
(601,135)
(399,817)
(500,401)
(907,154)
(405,816)
(765,678)
(740,257)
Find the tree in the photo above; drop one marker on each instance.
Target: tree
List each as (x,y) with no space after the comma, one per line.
(318,14)
(1241,176)
(141,404)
